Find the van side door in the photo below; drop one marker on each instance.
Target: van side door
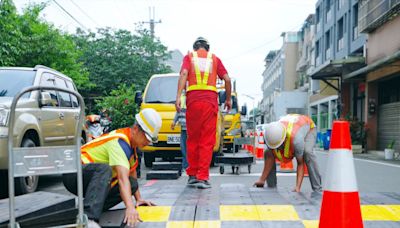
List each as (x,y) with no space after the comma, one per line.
(52,117)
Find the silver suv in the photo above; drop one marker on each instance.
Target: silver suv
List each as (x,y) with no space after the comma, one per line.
(47,122)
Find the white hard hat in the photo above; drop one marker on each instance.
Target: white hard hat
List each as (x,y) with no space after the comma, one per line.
(150,121)
(275,134)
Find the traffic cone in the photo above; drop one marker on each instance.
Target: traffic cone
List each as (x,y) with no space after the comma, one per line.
(305,170)
(287,167)
(251,147)
(340,201)
(261,146)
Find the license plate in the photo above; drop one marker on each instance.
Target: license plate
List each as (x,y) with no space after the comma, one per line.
(174,139)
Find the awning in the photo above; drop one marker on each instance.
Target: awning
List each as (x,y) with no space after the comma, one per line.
(374,66)
(334,68)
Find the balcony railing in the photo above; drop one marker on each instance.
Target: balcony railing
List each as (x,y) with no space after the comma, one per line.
(340,44)
(328,54)
(374,13)
(356,33)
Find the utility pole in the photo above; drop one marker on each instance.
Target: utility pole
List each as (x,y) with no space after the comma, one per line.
(152,21)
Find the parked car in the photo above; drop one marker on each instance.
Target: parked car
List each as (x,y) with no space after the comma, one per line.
(37,123)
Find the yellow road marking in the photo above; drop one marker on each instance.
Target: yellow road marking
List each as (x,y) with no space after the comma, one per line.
(180,224)
(277,212)
(207,224)
(310,223)
(154,214)
(380,212)
(238,213)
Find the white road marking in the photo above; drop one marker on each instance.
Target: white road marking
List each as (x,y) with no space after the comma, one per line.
(370,161)
(250,175)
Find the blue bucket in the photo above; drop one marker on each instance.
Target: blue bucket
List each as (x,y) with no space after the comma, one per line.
(327,139)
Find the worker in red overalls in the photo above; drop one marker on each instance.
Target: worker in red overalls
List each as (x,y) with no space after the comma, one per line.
(200,70)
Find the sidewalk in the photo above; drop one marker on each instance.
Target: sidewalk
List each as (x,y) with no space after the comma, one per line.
(374,155)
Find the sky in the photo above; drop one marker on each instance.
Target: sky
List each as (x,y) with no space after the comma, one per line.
(240,32)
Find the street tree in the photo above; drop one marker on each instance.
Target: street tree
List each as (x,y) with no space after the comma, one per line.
(27,40)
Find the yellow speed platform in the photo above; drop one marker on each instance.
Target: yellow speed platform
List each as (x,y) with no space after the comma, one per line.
(236,205)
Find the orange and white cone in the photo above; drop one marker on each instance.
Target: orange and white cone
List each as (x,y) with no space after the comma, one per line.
(261,146)
(286,167)
(340,201)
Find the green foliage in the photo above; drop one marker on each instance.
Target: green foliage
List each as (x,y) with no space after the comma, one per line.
(115,57)
(120,105)
(358,131)
(391,144)
(27,40)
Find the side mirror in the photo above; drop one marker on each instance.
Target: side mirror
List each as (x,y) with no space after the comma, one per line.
(244,111)
(138,97)
(45,99)
(222,97)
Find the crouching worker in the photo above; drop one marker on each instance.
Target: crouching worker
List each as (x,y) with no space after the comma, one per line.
(109,168)
(292,136)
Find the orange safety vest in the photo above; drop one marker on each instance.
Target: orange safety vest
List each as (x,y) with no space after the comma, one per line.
(292,122)
(124,134)
(203,71)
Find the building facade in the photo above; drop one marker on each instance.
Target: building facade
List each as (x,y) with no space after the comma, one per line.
(339,50)
(379,81)
(280,77)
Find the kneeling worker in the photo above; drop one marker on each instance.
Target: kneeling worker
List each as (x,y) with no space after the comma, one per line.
(292,136)
(109,168)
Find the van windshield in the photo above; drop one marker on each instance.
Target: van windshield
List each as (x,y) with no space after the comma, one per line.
(13,81)
(162,90)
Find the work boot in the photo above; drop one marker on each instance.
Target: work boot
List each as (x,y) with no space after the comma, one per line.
(203,184)
(192,181)
(93,224)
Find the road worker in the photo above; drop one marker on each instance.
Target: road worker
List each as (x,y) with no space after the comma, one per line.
(109,168)
(180,117)
(200,69)
(292,136)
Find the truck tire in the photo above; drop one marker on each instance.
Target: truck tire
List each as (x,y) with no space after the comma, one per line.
(149,158)
(24,185)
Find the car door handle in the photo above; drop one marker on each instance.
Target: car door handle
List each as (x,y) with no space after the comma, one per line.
(76,116)
(61,115)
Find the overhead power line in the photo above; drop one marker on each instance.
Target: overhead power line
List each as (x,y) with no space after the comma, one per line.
(62,8)
(87,15)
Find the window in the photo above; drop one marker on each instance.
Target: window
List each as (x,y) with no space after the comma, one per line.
(340,35)
(65,99)
(74,99)
(328,44)
(156,92)
(328,10)
(340,4)
(355,22)
(13,81)
(48,80)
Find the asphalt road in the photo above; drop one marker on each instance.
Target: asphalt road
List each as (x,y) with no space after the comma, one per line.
(372,176)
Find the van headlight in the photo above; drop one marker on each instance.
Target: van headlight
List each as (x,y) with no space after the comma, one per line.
(3,117)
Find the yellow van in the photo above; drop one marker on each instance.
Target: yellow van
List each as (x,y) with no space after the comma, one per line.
(160,94)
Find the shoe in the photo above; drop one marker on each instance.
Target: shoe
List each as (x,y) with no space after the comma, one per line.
(192,181)
(203,184)
(93,224)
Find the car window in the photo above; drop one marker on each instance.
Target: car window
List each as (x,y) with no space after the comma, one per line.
(48,80)
(65,99)
(74,99)
(156,92)
(13,81)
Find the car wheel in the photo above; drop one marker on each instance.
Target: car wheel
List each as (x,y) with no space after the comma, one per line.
(27,184)
(149,158)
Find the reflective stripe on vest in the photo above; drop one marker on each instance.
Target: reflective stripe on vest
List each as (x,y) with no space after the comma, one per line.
(202,84)
(85,156)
